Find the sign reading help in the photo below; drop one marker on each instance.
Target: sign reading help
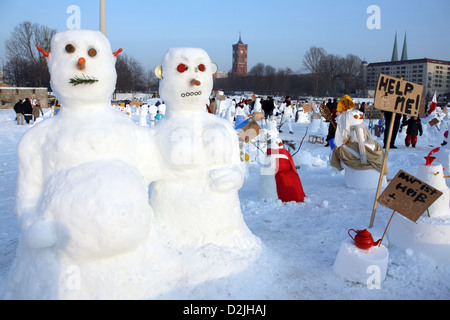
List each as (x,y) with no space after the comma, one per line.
(399,96)
(408,196)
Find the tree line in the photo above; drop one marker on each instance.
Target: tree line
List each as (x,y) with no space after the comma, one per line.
(25,66)
(324,74)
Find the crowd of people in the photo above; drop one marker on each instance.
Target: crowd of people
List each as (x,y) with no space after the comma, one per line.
(28,110)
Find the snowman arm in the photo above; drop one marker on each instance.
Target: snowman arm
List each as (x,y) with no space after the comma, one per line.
(148,160)
(29,182)
(226,179)
(229,177)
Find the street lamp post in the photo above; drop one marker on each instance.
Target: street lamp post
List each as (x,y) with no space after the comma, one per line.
(103,17)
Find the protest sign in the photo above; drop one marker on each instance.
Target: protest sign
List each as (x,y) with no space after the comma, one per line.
(399,96)
(408,196)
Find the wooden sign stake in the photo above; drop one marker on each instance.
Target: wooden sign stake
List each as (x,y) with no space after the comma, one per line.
(385,230)
(383,168)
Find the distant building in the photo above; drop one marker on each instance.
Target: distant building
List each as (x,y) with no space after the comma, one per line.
(433,74)
(10,95)
(239,68)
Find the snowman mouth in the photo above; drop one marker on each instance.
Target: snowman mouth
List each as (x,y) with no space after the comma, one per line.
(191,94)
(84,80)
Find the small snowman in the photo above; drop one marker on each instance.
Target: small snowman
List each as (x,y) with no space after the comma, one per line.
(197,203)
(143,113)
(82,197)
(278,178)
(355,150)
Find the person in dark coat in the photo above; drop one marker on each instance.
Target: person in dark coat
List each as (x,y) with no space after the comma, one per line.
(414,128)
(268,107)
(27,110)
(18,108)
(388,118)
(332,126)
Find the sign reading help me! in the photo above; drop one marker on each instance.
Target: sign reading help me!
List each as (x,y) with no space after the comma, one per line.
(408,196)
(399,96)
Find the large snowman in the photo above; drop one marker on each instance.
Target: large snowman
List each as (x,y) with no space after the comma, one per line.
(197,203)
(82,188)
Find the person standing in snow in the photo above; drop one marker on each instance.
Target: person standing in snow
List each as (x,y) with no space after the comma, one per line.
(268,107)
(37,110)
(414,127)
(27,110)
(213,106)
(288,113)
(332,126)
(18,108)
(388,119)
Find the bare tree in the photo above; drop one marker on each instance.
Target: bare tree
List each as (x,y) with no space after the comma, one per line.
(25,65)
(313,62)
(130,75)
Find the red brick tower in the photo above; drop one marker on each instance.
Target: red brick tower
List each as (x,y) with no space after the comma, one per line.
(239,59)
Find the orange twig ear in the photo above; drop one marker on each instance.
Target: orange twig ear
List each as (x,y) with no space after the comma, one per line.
(117,52)
(45,53)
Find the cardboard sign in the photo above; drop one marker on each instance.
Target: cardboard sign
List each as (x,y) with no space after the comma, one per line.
(250,130)
(135,102)
(400,96)
(433,122)
(372,113)
(408,196)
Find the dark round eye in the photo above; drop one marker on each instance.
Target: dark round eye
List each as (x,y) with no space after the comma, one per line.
(201,67)
(92,52)
(70,48)
(182,68)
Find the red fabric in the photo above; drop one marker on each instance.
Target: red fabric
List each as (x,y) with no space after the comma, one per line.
(289,186)
(433,104)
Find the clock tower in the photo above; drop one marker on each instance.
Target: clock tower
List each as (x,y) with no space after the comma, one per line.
(239,59)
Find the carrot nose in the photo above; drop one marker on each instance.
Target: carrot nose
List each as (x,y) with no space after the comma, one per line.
(195,82)
(81,63)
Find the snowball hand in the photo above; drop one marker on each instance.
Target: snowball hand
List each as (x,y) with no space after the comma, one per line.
(226,179)
(40,235)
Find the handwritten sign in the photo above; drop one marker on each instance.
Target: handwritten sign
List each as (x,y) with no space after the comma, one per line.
(408,196)
(400,96)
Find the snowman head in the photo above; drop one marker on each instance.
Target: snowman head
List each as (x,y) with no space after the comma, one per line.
(186,79)
(82,67)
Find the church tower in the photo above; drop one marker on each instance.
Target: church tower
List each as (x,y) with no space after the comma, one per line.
(395,51)
(405,50)
(239,59)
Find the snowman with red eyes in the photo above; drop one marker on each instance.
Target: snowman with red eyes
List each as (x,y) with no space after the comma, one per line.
(82,186)
(197,203)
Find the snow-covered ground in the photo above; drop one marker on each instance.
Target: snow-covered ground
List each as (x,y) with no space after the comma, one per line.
(301,240)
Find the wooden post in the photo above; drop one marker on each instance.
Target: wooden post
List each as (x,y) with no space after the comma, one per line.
(383,168)
(385,230)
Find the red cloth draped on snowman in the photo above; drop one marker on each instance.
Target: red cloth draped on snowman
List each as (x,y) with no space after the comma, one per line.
(289,186)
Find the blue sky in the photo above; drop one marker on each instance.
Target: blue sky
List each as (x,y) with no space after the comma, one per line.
(278,32)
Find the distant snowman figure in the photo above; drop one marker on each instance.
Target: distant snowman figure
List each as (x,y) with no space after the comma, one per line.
(279,178)
(82,186)
(197,203)
(355,150)
(143,113)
